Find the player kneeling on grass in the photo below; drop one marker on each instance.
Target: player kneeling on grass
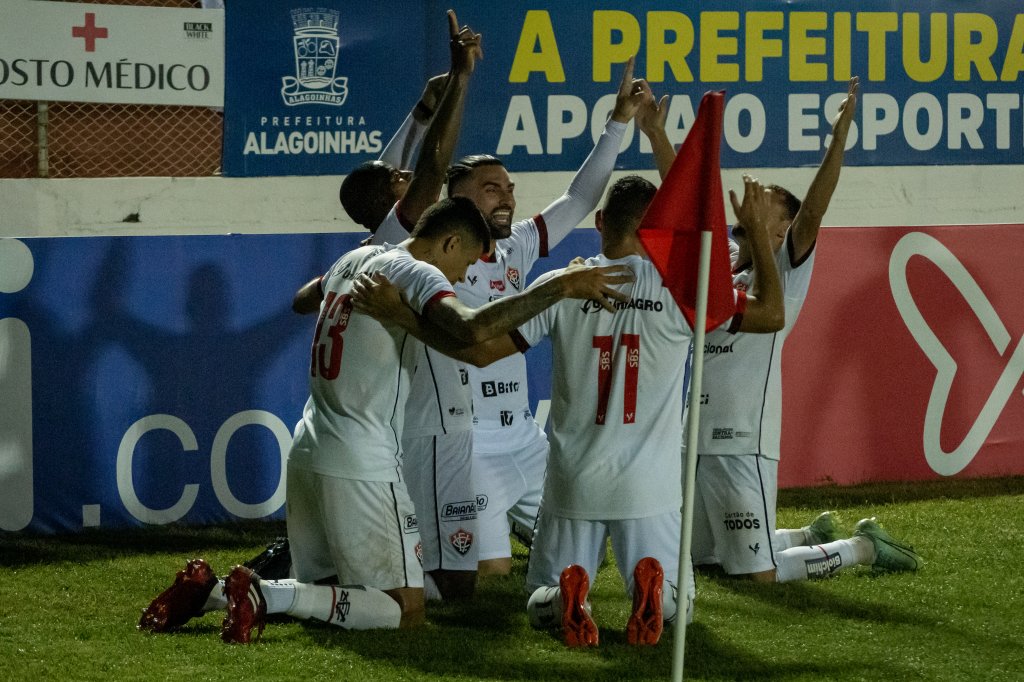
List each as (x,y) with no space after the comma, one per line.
(614,470)
(348,511)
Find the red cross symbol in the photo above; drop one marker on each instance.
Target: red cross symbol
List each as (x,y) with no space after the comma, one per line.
(90,32)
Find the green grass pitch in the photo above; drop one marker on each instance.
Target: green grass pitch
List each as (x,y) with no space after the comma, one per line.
(69,605)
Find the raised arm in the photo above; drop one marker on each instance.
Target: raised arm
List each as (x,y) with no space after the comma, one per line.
(588,185)
(650,119)
(804,230)
(765,311)
(443,132)
(402,146)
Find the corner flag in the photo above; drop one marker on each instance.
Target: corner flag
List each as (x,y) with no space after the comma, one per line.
(689,202)
(684,234)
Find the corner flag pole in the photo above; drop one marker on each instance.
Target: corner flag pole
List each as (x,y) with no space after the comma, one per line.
(690,468)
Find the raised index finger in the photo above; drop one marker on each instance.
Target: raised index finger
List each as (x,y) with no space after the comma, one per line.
(453,24)
(626,85)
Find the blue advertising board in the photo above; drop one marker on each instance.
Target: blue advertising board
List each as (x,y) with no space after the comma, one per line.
(940,80)
(152,380)
(166,376)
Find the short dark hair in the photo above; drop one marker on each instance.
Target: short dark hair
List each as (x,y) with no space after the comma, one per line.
(627,200)
(788,199)
(367,184)
(454,214)
(461,169)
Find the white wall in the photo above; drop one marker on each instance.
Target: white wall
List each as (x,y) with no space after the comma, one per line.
(876,196)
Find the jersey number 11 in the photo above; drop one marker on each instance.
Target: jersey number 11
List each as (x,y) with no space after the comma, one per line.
(606,351)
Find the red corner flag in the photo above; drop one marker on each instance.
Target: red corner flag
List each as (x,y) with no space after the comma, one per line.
(688,202)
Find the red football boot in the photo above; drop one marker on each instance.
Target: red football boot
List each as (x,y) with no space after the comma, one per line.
(577,625)
(182,601)
(645,625)
(247,609)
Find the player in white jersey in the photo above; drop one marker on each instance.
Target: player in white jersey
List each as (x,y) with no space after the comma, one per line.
(741,418)
(374,192)
(614,468)
(438,421)
(349,515)
(509,447)
(617,392)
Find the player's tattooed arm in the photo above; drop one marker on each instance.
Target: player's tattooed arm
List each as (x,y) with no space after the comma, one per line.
(497,318)
(383,301)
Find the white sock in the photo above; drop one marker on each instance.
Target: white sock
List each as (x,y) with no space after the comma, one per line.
(791,537)
(353,607)
(430,590)
(818,561)
(864,550)
(544,608)
(280,594)
(671,591)
(216,601)
(670,603)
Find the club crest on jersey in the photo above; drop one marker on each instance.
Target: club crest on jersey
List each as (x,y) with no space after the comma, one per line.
(418,551)
(513,276)
(315,42)
(462,541)
(497,284)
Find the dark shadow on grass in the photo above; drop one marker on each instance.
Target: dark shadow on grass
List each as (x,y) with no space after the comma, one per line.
(813,597)
(828,497)
(443,651)
(89,545)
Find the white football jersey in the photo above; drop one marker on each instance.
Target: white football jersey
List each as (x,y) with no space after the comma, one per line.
(502,418)
(617,401)
(360,370)
(741,409)
(440,400)
(394,229)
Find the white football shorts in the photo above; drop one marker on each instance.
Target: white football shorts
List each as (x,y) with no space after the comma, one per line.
(559,542)
(438,472)
(734,512)
(508,487)
(365,532)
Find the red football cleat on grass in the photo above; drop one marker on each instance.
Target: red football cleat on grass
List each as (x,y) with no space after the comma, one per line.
(247,609)
(182,601)
(577,625)
(645,625)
